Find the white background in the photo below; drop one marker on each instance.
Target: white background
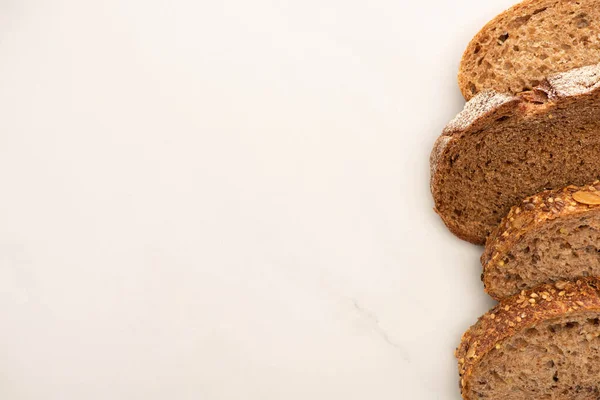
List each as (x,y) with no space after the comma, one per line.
(229,199)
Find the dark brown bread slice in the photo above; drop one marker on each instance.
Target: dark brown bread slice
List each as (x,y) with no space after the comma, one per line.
(540,344)
(551,236)
(517,49)
(501,149)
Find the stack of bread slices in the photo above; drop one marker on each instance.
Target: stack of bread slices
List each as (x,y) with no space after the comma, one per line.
(518,170)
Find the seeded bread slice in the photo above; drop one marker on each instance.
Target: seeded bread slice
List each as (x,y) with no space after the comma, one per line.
(551,236)
(517,49)
(543,343)
(501,149)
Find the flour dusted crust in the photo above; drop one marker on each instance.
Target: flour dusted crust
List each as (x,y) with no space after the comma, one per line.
(486,108)
(520,312)
(438,150)
(575,82)
(483,104)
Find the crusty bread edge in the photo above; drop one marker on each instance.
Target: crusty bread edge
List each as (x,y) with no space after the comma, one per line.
(519,312)
(487,106)
(531,214)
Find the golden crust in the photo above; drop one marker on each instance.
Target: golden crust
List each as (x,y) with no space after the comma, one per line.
(519,312)
(530,214)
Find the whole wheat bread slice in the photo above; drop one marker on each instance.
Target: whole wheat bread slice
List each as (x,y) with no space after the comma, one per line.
(543,343)
(501,149)
(550,236)
(517,49)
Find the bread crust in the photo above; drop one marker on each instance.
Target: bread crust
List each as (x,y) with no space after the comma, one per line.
(487,107)
(520,312)
(531,213)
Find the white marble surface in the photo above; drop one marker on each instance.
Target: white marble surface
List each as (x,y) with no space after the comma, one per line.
(229,199)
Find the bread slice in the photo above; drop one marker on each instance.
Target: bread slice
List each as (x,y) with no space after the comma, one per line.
(540,344)
(501,149)
(517,49)
(551,236)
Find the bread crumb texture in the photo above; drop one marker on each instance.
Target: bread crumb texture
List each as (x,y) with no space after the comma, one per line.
(550,236)
(515,51)
(502,148)
(542,343)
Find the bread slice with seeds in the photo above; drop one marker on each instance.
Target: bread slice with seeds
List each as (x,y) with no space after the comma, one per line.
(501,149)
(550,236)
(517,49)
(543,343)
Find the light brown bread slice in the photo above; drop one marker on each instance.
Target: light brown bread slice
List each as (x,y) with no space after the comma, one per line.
(550,236)
(517,49)
(501,149)
(543,343)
